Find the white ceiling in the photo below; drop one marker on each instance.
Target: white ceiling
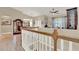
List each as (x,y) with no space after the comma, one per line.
(8,11)
(37,11)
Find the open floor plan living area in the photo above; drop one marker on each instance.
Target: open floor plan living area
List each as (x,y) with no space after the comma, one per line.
(39,28)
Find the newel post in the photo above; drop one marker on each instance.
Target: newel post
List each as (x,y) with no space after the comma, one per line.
(55,37)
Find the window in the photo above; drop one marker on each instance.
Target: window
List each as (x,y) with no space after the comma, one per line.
(60,22)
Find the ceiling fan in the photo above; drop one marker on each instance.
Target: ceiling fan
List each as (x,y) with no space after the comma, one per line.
(54,11)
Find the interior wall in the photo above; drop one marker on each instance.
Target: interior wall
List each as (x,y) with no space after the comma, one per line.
(40,21)
(78,18)
(13,14)
(0,27)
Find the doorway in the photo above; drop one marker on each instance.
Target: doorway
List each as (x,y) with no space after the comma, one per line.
(17,24)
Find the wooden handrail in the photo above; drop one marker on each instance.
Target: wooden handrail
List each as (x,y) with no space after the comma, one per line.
(30,27)
(69,39)
(54,35)
(36,31)
(50,34)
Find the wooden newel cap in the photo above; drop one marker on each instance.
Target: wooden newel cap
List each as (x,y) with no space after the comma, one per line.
(55,34)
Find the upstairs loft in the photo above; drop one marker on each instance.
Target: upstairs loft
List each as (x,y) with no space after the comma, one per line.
(37,31)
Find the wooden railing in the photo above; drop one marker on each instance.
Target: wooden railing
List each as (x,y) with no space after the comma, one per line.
(44,37)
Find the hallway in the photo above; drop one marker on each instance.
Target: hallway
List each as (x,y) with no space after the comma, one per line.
(11,44)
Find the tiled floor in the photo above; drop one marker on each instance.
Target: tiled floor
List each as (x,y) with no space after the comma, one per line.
(13,44)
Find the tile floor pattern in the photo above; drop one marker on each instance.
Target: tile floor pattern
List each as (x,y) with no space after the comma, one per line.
(13,44)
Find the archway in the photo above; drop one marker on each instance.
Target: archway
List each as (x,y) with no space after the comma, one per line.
(17,24)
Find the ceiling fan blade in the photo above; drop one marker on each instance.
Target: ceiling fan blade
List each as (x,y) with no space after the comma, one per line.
(56,11)
(51,12)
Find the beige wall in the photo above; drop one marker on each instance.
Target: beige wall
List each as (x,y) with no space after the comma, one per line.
(41,19)
(13,14)
(78,18)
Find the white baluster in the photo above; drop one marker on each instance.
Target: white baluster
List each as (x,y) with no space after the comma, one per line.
(42,41)
(50,43)
(70,46)
(46,42)
(62,45)
(32,40)
(39,42)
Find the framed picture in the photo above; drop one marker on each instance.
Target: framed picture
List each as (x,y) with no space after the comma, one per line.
(6,22)
(72,18)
